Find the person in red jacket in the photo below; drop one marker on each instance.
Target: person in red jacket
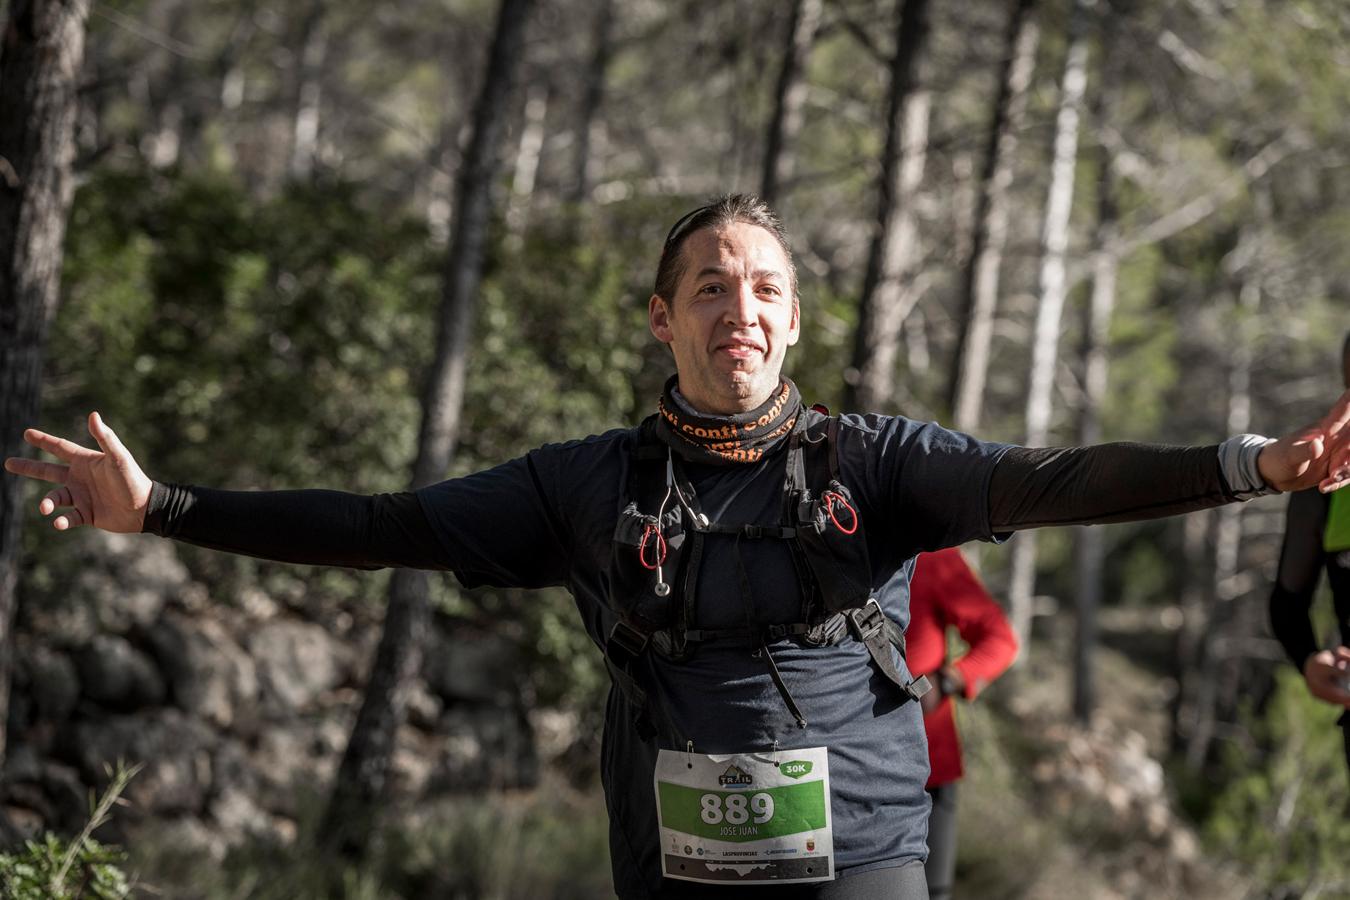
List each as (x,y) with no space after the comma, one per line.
(945,592)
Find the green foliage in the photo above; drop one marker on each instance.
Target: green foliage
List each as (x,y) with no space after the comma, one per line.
(81,869)
(244,341)
(241,341)
(96,872)
(1285,812)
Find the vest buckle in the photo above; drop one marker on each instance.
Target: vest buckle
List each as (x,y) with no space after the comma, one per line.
(866,622)
(625,641)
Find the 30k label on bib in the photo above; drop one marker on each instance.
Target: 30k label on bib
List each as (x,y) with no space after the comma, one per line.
(745,818)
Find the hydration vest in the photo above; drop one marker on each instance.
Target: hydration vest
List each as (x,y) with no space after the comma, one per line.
(658,548)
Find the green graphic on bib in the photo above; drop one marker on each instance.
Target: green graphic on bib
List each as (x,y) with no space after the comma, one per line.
(1337,535)
(743,815)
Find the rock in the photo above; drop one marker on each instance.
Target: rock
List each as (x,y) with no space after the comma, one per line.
(292,758)
(482,668)
(424,708)
(238,816)
(19,824)
(413,763)
(556,731)
(296,663)
(209,674)
(489,746)
(173,748)
(256,604)
(1131,766)
(49,680)
(115,674)
(50,790)
(67,796)
(64,620)
(185,840)
(129,578)
(22,763)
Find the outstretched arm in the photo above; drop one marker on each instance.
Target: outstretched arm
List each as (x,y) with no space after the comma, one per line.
(107,489)
(1037,487)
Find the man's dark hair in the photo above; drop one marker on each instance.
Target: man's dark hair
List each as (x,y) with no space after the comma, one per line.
(722,211)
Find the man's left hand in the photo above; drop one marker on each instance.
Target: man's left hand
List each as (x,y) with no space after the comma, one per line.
(1316,455)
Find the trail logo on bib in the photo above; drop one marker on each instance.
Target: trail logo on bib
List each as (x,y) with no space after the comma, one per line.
(747,817)
(735,777)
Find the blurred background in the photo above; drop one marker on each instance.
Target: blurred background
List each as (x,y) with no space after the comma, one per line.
(352,245)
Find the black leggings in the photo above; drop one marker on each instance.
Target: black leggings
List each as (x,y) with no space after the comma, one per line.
(941,866)
(905,882)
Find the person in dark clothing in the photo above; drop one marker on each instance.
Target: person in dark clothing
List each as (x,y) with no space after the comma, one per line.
(740,560)
(1317,537)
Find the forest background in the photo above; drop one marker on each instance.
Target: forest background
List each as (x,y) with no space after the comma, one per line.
(336,244)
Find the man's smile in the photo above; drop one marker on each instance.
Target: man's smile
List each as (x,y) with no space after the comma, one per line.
(740,348)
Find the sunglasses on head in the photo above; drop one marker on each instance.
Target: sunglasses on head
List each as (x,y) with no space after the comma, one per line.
(678,228)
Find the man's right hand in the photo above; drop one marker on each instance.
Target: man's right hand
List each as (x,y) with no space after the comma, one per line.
(104,488)
(1328,675)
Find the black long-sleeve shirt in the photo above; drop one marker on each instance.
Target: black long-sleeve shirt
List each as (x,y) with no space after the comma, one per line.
(1030,488)
(549,518)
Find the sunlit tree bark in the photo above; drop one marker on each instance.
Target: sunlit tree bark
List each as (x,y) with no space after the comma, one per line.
(1050,308)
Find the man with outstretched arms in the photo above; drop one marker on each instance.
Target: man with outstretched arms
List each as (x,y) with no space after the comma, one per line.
(739,558)
(1317,536)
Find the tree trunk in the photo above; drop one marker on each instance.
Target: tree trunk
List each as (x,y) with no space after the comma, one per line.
(1090,543)
(889,291)
(1196,594)
(790,95)
(1218,656)
(41,54)
(980,289)
(311,50)
(588,119)
(163,144)
(526,168)
(350,818)
(1050,310)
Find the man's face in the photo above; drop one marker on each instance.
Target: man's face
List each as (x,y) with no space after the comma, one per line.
(731,320)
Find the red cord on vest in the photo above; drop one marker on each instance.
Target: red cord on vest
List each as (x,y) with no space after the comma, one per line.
(830,497)
(647,532)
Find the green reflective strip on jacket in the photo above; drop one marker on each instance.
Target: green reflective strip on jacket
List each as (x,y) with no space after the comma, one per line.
(1337,535)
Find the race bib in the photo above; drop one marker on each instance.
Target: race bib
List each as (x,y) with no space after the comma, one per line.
(745,818)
